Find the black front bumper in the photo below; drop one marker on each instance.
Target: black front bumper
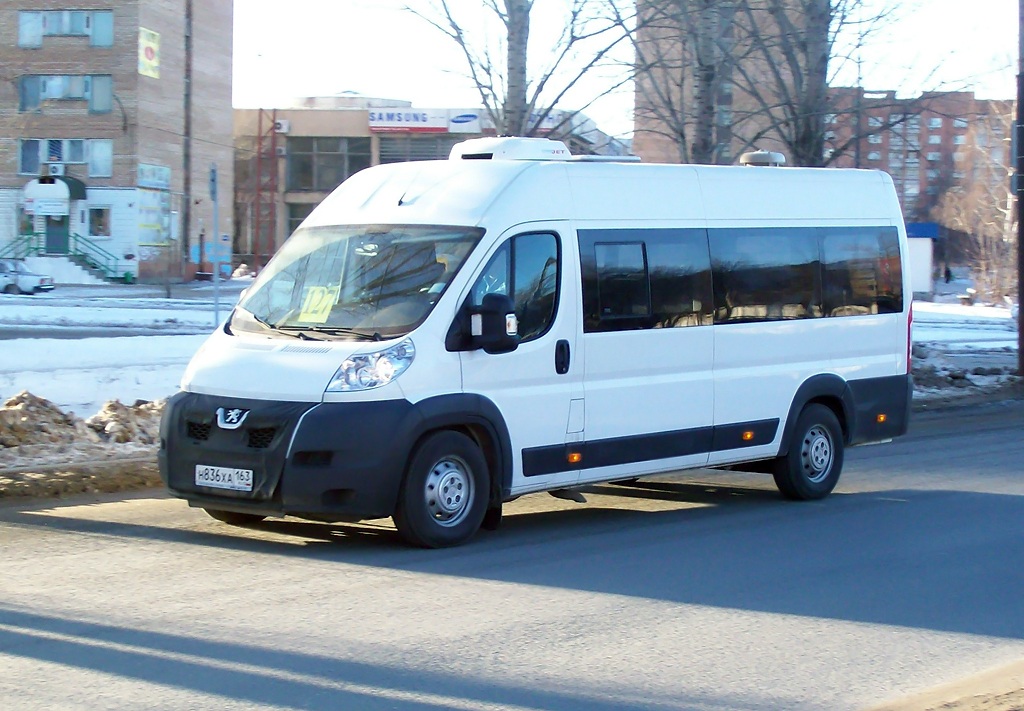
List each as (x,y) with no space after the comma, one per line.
(327,461)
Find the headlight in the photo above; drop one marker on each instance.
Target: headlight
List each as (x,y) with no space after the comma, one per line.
(365,371)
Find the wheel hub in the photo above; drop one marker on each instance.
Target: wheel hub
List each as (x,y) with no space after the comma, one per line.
(817,454)
(449,491)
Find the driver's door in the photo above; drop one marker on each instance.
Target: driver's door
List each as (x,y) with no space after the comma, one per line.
(539,386)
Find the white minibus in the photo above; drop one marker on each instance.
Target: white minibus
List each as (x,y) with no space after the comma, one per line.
(441,337)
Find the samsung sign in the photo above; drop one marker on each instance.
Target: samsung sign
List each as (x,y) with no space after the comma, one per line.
(410,120)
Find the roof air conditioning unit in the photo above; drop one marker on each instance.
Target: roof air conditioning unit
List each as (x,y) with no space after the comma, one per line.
(282,126)
(55,169)
(281,151)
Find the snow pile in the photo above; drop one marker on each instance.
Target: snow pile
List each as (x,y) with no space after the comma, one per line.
(121,423)
(26,419)
(45,451)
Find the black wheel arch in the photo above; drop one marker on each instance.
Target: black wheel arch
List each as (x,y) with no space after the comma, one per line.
(478,418)
(829,390)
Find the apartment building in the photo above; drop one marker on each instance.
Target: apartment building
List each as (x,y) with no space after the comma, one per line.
(927,144)
(112,113)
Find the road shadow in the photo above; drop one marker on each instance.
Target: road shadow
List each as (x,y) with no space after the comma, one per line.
(270,676)
(932,559)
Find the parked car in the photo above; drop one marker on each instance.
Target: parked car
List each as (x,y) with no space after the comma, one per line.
(16,278)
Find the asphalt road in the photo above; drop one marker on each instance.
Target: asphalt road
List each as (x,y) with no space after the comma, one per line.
(703,591)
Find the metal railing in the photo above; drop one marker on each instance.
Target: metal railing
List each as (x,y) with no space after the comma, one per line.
(23,246)
(81,250)
(94,256)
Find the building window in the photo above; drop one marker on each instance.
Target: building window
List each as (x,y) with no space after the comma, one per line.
(830,119)
(874,155)
(98,90)
(400,149)
(934,139)
(321,164)
(98,25)
(37,151)
(28,163)
(959,140)
(935,122)
(297,212)
(934,156)
(958,157)
(874,121)
(932,174)
(959,123)
(875,138)
(101,158)
(99,221)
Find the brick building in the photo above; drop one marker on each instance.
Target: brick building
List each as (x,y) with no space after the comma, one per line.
(104,155)
(927,144)
(290,158)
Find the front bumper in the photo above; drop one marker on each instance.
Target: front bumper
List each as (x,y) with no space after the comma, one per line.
(326,461)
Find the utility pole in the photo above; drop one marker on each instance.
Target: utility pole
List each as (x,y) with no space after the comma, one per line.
(1018,183)
(186,148)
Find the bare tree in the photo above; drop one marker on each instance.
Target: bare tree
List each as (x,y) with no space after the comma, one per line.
(981,205)
(681,47)
(760,67)
(521,89)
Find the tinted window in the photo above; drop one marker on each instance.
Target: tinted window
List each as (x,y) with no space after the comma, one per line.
(622,284)
(680,272)
(765,274)
(637,279)
(527,268)
(862,272)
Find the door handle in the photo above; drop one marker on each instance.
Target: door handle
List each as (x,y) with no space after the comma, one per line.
(562,357)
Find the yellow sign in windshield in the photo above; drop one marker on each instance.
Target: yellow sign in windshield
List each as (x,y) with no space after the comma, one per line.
(317,303)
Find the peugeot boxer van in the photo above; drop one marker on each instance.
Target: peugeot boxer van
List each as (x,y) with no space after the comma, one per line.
(440,337)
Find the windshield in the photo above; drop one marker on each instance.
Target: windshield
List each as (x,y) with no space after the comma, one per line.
(376,281)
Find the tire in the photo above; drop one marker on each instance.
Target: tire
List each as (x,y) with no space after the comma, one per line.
(11,289)
(447,463)
(812,467)
(233,518)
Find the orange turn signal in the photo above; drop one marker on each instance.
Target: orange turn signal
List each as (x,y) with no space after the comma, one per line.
(575,457)
(748,435)
(880,418)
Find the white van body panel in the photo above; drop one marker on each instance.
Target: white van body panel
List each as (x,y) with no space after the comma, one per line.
(237,366)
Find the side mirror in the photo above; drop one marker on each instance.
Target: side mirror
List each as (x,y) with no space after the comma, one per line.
(493,326)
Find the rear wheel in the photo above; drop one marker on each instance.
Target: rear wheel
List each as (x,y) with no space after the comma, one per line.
(445,492)
(811,468)
(11,289)
(233,518)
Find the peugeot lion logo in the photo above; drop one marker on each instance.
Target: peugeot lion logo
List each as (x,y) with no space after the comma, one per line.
(230,419)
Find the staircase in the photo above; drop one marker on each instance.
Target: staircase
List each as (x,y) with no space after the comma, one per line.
(85,263)
(63,270)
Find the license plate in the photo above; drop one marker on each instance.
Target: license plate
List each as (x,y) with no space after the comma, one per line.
(224,477)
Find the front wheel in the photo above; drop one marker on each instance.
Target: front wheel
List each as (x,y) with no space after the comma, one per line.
(445,492)
(811,468)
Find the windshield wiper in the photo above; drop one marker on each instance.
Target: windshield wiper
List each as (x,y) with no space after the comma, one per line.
(271,327)
(334,331)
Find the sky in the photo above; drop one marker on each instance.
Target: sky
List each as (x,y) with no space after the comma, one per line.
(378,49)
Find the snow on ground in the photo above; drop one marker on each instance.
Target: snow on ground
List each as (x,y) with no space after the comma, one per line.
(955,344)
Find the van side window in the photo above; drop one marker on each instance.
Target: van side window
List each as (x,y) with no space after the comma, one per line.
(638,279)
(623,287)
(862,272)
(765,274)
(527,267)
